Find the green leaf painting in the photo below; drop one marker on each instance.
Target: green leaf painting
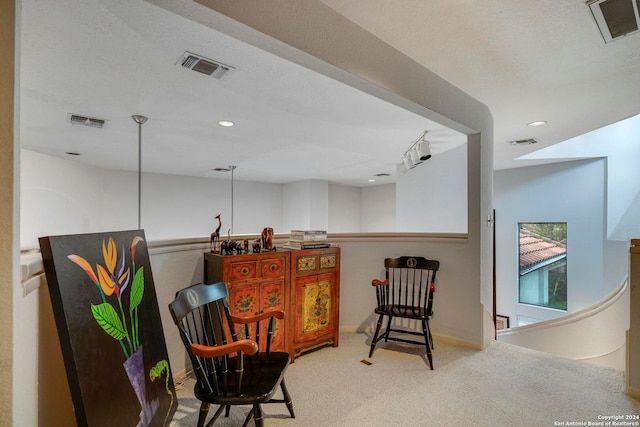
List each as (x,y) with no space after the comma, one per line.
(108,319)
(137,290)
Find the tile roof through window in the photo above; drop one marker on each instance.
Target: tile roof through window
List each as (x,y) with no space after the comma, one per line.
(535,249)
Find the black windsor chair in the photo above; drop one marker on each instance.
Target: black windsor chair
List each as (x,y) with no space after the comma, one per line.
(407,292)
(229,371)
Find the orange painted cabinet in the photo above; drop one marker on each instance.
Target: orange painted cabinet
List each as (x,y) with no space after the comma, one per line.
(303,283)
(315,285)
(257,283)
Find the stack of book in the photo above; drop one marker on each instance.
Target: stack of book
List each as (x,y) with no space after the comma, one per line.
(307,239)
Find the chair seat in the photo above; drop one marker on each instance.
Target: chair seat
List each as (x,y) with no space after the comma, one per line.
(404,311)
(262,375)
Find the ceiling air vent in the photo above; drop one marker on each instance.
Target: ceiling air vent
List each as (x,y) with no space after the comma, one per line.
(92,122)
(615,18)
(203,65)
(527,141)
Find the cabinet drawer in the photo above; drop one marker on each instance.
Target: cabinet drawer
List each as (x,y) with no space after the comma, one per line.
(242,270)
(328,261)
(305,263)
(273,267)
(315,263)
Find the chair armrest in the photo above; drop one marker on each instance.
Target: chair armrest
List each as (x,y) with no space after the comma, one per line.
(376,282)
(244,346)
(278,314)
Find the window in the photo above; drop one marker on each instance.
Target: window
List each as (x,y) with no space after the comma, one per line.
(543,264)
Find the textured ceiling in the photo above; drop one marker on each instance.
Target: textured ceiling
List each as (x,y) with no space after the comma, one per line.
(527,61)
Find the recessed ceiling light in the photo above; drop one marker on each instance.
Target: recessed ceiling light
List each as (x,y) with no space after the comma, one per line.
(537,123)
(226,123)
(372,180)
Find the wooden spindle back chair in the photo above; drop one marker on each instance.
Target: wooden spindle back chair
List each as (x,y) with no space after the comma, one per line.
(229,371)
(406,292)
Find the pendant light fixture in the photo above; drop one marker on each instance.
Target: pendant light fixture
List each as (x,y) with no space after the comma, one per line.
(140,120)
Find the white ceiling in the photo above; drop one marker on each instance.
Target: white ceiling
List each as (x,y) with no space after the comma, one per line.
(542,60)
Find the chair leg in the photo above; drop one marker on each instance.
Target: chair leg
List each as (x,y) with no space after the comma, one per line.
(427,341)
(430,336)
(427,334)
(375,335)
(217,414)
(257,415)
(249,418)
(386,334)
(204,410)
(287,398)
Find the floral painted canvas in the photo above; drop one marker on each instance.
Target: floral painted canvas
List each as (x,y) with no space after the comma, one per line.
(109,326)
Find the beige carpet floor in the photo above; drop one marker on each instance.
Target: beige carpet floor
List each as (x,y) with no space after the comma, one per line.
(504,385)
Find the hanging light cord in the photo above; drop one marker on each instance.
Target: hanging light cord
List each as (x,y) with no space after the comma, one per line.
(140,120)
(233,168)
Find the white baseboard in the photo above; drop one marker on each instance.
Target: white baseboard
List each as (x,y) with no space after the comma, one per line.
(457,341)
(445,338)
(633,392)
(181,375)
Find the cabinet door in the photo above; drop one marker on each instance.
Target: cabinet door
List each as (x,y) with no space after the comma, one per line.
(272,297)
(243,302)
(250,299)
(314,306)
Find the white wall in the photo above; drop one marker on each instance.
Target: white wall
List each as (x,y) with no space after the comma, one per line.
(615,264)
(378,212)
(319,205)
(305,205)
(434,200)
(295,206)
(81,199)
(432,197)
(61,196)
(620,144)
(345,205)
(571,192)
(178,206)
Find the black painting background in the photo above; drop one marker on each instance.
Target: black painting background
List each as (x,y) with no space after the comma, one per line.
(100,388)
